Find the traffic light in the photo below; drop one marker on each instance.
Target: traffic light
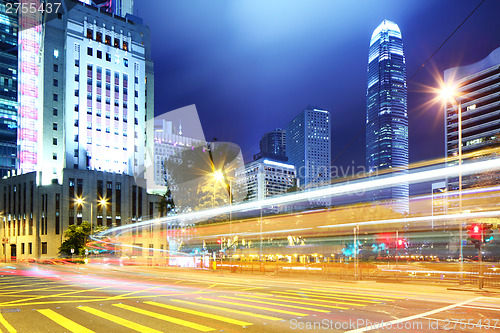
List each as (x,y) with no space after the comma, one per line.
(401,243)
(487,232)
(219,241)
(475,232)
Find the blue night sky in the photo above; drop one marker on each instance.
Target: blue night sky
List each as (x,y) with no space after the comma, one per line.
(250,66)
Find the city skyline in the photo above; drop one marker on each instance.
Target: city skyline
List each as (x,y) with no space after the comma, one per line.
(250,77)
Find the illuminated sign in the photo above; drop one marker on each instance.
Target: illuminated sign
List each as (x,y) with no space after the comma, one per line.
(29,82)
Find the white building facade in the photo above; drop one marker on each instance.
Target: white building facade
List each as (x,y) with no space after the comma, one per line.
(266,178)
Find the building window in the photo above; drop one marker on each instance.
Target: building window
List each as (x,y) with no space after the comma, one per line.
(89,51)
(99,54)
(56,68)
(76,107)
(108,56)
(54,126)
(30,248)
(125,62)
(54,141)
(136,80)
(44,247)
(77,77)
(77,62)
(116,43)
(125,45)
(77,93)
(76,150)
(98,36)
(90,33)
(107,40)
(89,67)
(54,156)
(54,111)
(75,139)
(56,53)
(56,83)
(55,97)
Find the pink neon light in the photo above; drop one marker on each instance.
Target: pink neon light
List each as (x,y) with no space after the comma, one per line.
(28,112)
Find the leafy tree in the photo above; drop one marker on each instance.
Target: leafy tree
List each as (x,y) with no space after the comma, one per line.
(76,236)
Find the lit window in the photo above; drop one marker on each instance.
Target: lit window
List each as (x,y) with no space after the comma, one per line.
(56,53)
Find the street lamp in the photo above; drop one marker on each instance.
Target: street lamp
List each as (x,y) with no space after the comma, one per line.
(448,93)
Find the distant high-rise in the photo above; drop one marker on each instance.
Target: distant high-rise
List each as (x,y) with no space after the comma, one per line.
(8,89)
(386,111)
(308,145)
(273,145)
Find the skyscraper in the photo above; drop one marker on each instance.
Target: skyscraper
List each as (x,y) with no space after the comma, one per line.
(273,145)
(477,93)
(97,99)
(308,146)
(8,89)
(386,111)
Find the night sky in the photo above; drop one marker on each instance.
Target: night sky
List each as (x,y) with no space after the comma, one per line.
(250,66)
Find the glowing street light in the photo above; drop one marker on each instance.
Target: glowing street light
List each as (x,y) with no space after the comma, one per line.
(449,93)
(218,175)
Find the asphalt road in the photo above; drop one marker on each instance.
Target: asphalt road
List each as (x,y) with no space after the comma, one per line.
(97,298)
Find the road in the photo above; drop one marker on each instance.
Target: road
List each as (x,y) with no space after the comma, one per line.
(99,298)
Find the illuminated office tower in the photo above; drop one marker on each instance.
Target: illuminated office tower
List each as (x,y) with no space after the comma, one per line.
(386,111)
(477,88)
(265,178)
(308,147)
(85,98)
(8,89)
(273,145)
(97,77)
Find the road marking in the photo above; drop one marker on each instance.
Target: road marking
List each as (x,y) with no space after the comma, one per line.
(348,293)
(201,314)
(245,313)
(306,303)
(242,298)
(64,322)
(351,297)
(8,326)
(480,307)
(293,313)
(166,318)
(309,295)
(119,321)
(425,314)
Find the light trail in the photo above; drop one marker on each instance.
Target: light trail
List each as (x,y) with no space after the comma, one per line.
(369,184)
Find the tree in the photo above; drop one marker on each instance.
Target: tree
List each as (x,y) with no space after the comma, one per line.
(166,203)
(76,236)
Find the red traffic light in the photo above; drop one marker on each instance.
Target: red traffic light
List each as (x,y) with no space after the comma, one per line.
(219,241)
(475,232)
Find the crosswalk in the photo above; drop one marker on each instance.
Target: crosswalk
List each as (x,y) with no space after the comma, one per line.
(197,313)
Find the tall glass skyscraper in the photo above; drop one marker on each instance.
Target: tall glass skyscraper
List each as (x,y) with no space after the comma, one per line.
(308,147)
(8,88)
(386,111)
